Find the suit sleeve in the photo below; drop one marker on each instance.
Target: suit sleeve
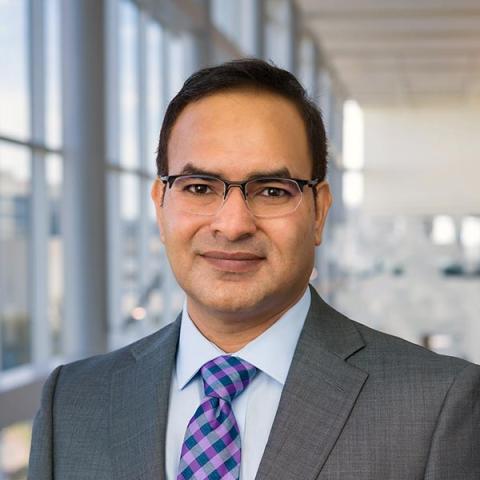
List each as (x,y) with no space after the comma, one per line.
(41,450)
(455,448)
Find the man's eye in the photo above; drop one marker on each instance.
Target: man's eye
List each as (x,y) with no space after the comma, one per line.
(198,188)
(274,192)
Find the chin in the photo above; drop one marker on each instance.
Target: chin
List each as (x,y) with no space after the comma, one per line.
(230,297)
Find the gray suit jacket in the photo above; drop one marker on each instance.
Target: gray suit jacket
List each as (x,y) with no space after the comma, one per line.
(357,405)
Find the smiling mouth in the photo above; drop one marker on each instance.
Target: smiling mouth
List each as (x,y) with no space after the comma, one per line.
(236,262)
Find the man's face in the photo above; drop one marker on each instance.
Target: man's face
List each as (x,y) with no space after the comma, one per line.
(235,135)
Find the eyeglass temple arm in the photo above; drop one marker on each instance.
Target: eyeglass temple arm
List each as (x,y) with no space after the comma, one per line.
(167,179)
(310,183)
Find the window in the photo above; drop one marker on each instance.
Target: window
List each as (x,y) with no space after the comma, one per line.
(31,183)
(277,33)
(128,75)
(306,63)
(54,183)
(14,85)
(176,61)
(227,17)
(31,199)
(53,90)
(155,89)
(16,242)
(151,67)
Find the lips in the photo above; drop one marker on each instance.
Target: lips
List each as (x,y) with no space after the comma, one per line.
(238,262)
(232,255)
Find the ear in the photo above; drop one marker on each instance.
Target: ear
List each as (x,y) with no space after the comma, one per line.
(323,201)
(157,192)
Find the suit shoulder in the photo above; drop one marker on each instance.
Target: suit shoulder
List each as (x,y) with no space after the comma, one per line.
(374,349)
(395,352)
(98,367)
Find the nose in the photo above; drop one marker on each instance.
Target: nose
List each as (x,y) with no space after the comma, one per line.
(234,220)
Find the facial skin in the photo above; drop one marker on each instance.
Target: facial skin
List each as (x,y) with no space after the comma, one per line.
(235,135)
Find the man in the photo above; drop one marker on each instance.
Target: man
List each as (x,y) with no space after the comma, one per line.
(258,377)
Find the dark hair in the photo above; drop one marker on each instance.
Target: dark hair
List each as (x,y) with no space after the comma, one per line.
(247,73)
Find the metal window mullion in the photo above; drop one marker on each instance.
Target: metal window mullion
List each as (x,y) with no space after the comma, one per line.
(167,288)
(315,94)
(41,334)
(113,167)
(84,87)
(160,260)
(293,37)
(202,34)
(37,70)
(143,155)
(34,146)
(115,319)
(112,92)
(339,123)
(161,74)
(164,69)
(336,123)
(325,91)
(311,65)
(113,176)
(252,27)
(142,89)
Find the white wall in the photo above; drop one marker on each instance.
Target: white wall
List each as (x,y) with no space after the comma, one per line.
(422,160)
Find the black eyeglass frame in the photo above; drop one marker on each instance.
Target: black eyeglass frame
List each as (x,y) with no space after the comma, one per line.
(227,185)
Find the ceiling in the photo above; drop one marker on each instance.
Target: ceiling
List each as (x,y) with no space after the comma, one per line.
(400,51)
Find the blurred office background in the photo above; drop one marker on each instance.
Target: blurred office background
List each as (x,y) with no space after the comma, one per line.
(83,87)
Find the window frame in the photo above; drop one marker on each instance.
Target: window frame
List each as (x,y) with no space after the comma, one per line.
(21,384)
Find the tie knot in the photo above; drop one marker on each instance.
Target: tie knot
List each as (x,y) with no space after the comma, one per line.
(226,377)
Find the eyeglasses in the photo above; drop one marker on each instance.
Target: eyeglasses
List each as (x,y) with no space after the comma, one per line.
(265,197)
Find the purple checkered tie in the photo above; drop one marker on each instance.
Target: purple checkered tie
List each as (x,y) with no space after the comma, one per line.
(211,448)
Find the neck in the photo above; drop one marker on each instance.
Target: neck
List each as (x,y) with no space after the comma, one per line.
(231,332)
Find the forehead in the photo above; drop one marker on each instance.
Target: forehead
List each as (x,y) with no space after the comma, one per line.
(236,133)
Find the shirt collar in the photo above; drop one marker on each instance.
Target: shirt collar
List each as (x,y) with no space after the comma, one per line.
(271,352)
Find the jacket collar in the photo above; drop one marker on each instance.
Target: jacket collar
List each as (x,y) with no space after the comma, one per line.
(318,396)
(140,393)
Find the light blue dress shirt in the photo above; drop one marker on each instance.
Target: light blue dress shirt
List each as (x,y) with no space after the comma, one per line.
(255,408)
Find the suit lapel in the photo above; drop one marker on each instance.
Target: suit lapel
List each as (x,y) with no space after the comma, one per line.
(139,398)
(318,396)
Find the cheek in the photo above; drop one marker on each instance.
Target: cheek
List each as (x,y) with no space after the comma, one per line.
(177,233)
(184,236)
(178,226)
(291,241)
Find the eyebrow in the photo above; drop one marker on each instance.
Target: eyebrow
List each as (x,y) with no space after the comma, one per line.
(190,169)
